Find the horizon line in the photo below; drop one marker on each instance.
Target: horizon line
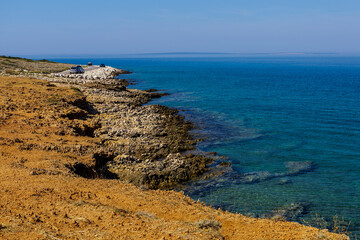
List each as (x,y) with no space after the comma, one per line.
(111,55)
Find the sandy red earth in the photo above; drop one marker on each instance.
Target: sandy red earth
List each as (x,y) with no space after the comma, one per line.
(41,197)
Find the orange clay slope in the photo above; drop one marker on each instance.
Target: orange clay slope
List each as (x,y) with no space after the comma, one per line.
(41,197)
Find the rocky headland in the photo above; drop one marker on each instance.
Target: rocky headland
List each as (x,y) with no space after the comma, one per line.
(140,144)
(82,157)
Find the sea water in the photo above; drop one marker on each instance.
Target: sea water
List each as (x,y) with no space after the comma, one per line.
(261,113)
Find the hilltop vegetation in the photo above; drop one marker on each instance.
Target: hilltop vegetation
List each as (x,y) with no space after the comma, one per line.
(18,65)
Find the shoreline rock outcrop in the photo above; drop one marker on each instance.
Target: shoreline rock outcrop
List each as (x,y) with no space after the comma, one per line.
(100,73)
(140,144)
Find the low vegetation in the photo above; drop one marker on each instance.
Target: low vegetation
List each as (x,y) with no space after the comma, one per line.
(337,225)
(26,59)
(18,65)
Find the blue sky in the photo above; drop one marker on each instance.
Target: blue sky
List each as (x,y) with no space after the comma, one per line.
(144,26)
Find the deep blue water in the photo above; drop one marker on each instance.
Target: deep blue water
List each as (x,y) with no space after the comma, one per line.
(263,112)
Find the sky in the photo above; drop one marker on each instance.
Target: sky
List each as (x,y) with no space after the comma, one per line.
(103,27)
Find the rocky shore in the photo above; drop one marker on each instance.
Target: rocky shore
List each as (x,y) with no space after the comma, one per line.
(143,145)
(72,149)
(99,73)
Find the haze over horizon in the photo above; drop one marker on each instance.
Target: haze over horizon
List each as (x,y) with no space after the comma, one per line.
(130,27)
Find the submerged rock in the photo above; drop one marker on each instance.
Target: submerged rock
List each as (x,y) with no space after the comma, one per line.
(230,177)
(254,177)
(291,212)
(284,181)
(299,167)
(294,168)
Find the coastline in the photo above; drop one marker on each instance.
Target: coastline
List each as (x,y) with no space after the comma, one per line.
(128,140)
(141,144)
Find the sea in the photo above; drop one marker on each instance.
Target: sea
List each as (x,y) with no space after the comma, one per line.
(262,114)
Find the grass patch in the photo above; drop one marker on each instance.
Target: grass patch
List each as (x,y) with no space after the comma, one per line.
(336,225)
(145,214)
(42,66)
(9,63)
(45,60)
(25,59)
(8,57)
(208,224)
(119,211)
(11,72)
(77,91)
(54,99)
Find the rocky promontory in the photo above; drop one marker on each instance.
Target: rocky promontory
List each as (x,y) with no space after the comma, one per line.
(143,145)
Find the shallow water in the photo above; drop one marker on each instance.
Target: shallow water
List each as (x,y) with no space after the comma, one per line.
(263,112)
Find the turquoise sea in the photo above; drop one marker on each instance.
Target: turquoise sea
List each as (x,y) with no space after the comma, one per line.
(262,113)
